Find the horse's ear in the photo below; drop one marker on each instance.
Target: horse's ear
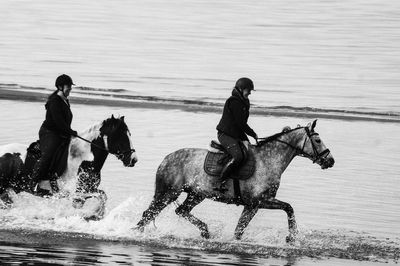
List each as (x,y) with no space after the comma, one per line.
(112,117)
(313,124)
(122,118)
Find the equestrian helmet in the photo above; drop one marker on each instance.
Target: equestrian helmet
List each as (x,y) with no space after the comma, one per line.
(64,80)
(244,83)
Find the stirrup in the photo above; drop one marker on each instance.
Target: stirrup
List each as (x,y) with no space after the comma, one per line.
(43,192)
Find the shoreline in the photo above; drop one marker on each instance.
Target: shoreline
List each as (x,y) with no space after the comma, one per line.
(41,94)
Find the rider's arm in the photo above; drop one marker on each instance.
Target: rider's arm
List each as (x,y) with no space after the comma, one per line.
(239,117)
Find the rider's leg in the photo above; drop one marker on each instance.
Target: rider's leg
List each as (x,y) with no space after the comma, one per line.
(232,146)
(49,142)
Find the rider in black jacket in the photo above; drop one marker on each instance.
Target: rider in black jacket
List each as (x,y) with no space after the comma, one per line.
(233,126)
(55,129)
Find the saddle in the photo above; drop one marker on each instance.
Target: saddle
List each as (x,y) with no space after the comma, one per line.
(218,157)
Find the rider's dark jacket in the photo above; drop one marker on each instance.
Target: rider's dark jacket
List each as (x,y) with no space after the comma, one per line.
(58,116)
(235,116)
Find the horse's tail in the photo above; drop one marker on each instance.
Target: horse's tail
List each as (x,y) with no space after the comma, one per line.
(162,181)
(162,185)
(165,193)
(168,177)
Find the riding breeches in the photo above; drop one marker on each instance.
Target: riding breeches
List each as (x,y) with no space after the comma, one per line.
(233,147)
(49,142)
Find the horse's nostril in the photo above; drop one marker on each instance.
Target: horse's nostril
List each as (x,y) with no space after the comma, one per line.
(133,162)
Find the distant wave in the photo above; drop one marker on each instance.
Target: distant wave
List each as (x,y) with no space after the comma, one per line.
(125,98)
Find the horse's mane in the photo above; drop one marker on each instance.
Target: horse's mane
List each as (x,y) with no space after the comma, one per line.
(120,123)
(92,131)
(284,131)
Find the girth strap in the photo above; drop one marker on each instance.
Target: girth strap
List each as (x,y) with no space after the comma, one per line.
(236,189)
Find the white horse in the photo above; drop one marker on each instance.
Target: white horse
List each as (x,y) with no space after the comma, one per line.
(86,156)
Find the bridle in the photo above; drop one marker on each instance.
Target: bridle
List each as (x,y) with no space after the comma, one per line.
(316,156)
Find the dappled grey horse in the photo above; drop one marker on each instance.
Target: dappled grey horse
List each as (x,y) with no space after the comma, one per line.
(182,171)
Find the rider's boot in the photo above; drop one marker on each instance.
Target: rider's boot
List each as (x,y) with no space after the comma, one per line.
(43,189)
(225,175)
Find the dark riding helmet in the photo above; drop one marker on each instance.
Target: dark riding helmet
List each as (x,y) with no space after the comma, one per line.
(244,83)
(63,80)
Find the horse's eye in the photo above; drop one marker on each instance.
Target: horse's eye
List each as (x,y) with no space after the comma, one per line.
(318,141)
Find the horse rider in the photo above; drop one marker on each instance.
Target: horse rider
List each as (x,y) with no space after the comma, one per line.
(55,130)
(233,127)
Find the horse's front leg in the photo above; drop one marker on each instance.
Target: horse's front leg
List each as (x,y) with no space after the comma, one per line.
(276,204)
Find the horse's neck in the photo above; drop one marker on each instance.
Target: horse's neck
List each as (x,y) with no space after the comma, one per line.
(81,150)
(97,156)
(91,133)
(294,138)
(282,150)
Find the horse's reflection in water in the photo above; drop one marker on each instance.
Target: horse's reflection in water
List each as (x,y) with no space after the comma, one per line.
(182,171)
(82,175)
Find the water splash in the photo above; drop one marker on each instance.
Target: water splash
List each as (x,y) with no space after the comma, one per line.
(56,218)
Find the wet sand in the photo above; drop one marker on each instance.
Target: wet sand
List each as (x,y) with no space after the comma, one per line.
(111,100)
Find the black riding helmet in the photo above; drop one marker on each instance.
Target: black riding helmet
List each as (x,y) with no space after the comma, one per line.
(244,83)
(63,80)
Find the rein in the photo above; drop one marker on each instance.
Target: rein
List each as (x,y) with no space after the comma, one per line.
(94,144)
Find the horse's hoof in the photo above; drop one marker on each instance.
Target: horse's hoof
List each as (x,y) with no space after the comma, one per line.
(92,218)
(205,234)
(290,239)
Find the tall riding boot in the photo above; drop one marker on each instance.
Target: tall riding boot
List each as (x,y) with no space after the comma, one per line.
(47,187)
(225,175)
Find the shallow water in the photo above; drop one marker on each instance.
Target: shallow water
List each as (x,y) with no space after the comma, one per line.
(349,211)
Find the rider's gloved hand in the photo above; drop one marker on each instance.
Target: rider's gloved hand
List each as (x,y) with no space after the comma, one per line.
(256,138)
(74,133)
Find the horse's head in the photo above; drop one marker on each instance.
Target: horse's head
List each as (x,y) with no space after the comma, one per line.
(117,139)
(315,149)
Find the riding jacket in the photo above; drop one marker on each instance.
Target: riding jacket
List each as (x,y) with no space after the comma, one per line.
(234,117)
(58,116)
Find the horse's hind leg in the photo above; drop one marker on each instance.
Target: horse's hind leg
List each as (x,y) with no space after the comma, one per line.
(187,206)
(244,220)
(160,201)
(277,204)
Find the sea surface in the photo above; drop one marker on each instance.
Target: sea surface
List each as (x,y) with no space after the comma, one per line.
(332,60)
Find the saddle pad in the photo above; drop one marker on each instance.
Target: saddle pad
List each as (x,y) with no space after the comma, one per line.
(214,163)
